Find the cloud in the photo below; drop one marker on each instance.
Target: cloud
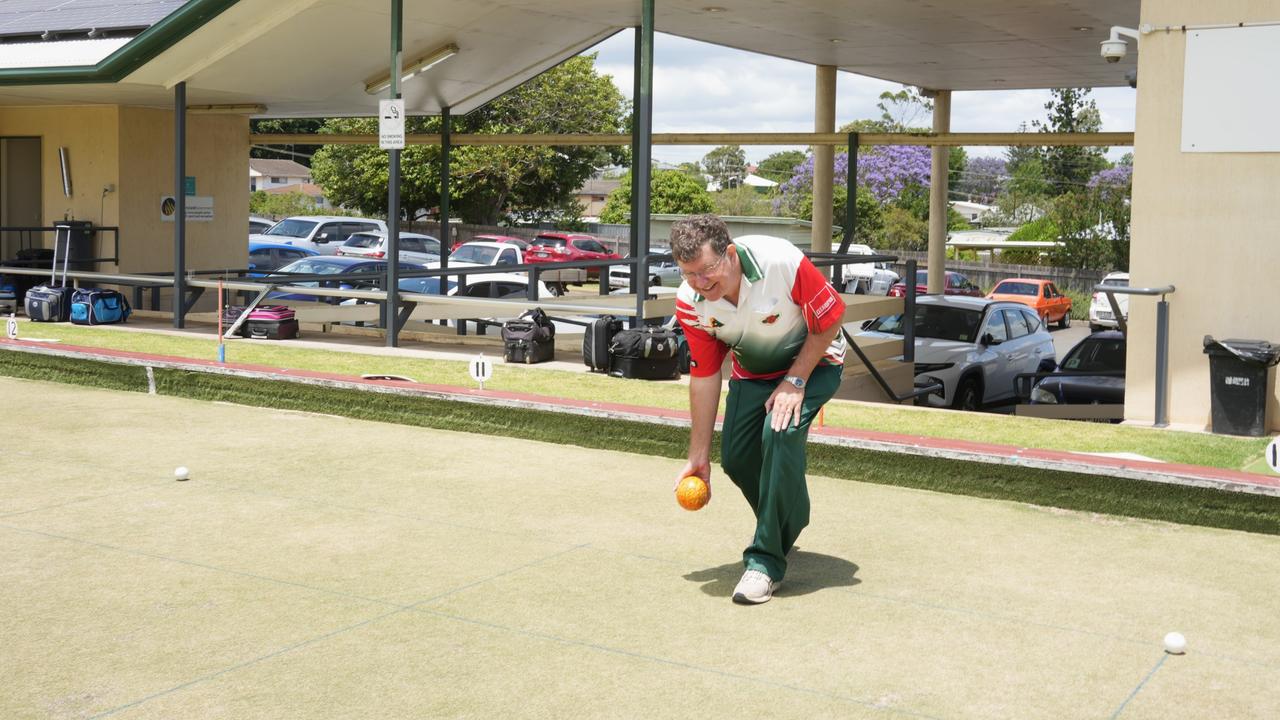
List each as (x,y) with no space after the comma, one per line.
(699,87)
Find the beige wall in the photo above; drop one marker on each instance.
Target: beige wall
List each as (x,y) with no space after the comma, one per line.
(218,157)
(1208,223)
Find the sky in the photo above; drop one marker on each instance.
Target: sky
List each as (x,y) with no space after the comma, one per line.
(698,87)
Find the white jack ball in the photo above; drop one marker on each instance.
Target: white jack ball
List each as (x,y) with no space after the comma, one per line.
(181,472)
(1175,644)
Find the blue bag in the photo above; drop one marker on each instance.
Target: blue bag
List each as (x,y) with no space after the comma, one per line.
(95,306)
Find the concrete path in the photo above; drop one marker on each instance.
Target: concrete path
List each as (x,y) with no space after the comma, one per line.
(322,567)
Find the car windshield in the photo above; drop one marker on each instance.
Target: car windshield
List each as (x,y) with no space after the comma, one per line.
(362,240)
(424,285)
(1017,288)
(478,254)
(934,321)
(292,228)
(548,242)
(314,266)
(1096,355)
(1119,282)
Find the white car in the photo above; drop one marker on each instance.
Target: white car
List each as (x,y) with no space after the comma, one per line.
(867,278)
(322,233)
(662,273)
(974,346)
(1101,316)
(259,225)
(414,248)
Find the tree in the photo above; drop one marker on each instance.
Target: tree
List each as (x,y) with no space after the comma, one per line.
(279,205)
(1068,167)
(726,164)
(983,179)
(489,184)
(670,192)
(900,111)
(779,166)
(740,201)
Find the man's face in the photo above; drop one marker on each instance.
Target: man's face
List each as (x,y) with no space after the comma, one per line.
(712,275)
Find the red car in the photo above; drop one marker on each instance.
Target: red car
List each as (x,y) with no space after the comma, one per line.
(568,247)
(509,239)
(957,284)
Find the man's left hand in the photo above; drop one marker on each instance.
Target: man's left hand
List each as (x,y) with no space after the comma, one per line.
(785,403)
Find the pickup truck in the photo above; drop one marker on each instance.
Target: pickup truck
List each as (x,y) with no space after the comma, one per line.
(322,233)
(480,253)
(867,278)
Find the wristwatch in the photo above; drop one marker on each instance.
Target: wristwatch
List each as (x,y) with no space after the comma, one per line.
(794,380)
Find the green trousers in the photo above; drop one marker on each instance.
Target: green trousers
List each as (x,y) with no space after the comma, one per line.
(768,466)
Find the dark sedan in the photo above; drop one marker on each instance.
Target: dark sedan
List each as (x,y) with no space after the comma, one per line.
(956,284)
(1091,373)
(368,275)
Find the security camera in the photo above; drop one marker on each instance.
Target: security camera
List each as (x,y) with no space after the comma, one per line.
(1114,48)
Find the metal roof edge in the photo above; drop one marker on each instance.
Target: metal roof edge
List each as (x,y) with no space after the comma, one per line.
(137,52)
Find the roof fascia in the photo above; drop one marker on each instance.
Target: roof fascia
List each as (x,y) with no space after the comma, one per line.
(116,66)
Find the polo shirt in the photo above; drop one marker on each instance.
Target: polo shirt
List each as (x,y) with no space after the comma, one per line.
(782,299)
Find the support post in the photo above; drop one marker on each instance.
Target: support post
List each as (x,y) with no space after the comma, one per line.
(851,190)
(641,162)
(824,121)
(938,209)
(446,239)
(390,316)
(180,203)
(1162,363)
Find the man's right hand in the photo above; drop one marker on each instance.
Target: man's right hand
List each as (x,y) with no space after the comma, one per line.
(701,469)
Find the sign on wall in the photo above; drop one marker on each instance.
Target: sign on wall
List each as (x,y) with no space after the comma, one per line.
(199,208)
(1229,95)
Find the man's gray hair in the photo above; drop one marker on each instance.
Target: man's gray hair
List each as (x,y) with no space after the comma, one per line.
(690,234)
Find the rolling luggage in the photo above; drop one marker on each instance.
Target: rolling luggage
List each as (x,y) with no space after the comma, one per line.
(645,353)
(51,303)
(95,306)
(8,299)
(271,322)
(531,338)
(595,342)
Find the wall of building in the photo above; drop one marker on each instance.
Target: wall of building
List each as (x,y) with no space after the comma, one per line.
(1204,222)
(90,136)
(218,158)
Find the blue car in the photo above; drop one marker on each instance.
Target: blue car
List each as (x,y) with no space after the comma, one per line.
(335,265)
(267,256)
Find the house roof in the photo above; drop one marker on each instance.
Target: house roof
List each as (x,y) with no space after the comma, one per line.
(308,189)
(265,51)
(277,168)
(599,186)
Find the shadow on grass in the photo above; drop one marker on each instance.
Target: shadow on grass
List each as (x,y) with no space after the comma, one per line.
(807,572)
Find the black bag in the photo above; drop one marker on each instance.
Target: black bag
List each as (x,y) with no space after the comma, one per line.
(646,353)
(595,342)
(51,303)
(529,339)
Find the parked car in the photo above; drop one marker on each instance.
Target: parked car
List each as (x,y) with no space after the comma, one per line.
(333,265)
(867,278)
(265,257)
(1101,315)
(568,247)
(414,248)
(259,225)
(322,233)
(510,239)
(484,252)
(491,285)
(1040,295)
(662,273)
(974,346)
(1101,352)
(957,284)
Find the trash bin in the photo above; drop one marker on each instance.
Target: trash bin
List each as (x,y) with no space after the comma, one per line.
(75,237)
(1238,371)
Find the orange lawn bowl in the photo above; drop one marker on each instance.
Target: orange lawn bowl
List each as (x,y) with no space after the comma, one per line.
(692,493)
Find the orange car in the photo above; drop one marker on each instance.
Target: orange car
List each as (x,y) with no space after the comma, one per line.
(1041,295)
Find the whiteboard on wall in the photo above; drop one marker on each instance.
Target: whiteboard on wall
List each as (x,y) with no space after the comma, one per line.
(1230,90)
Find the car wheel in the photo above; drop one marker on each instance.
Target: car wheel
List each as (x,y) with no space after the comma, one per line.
(1095,328)
(655,281)
(968,395)
(1065,322)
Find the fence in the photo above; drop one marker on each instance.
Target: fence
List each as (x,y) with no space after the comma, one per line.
(987,274)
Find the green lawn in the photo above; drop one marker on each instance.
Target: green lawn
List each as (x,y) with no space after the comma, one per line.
(1167,445)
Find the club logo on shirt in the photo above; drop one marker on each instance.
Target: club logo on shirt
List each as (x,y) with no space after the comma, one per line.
(771,319)
(716,323)
(693,363)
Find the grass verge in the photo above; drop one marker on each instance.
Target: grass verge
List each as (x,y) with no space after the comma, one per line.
(1170,446)
(1070,491)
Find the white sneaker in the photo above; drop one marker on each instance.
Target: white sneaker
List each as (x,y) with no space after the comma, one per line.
(754,588)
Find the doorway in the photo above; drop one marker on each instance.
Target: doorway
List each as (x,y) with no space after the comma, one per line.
(20,198)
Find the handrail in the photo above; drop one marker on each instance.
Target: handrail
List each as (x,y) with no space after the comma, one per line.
(1162,337)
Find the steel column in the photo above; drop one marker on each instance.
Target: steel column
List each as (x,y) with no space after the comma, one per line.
(641,160)
(851,193)
(180,205)
(1162,362)
(389,309)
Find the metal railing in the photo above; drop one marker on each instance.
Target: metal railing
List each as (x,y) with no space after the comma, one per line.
(1162,338)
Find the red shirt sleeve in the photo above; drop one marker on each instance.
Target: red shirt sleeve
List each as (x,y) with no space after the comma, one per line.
(706,354)
(818,301)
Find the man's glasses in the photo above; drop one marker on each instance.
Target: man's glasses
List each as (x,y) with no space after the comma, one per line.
(706,272)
